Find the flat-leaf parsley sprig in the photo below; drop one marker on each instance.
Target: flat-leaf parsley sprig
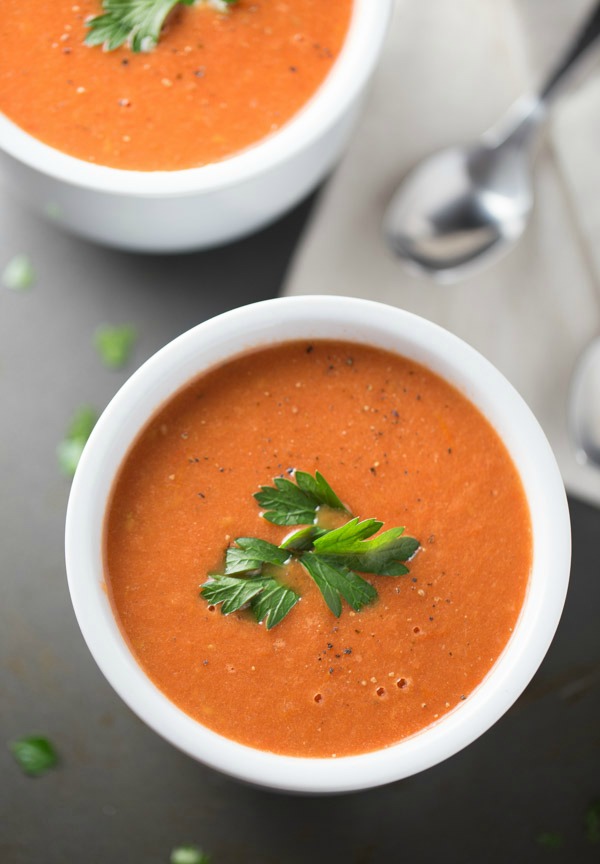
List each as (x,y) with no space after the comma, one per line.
(137,23)
(331,557)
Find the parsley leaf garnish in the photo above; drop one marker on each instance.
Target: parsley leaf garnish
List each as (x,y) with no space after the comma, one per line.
(330,557)
(249,553)
(137,23)
(232,593)
(286,504)
(335,581)
(273,603)
(34,754)
(381,555)
(303,539)
(320,489)
(297,503)
(269,600)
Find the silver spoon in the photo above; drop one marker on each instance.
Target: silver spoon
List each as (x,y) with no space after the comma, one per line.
(584,406)
(465,205)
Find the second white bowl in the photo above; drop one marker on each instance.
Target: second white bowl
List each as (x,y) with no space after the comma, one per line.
(320,318)
(170,211)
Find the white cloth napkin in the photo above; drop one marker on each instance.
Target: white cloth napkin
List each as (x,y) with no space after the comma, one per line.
(448,72)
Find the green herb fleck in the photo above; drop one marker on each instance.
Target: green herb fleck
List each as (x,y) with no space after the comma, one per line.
(329,557)
(592,822)
(114,344)
(189,855)
(137,23)
(71,447)
(550,839)
(34,754)
(18,275)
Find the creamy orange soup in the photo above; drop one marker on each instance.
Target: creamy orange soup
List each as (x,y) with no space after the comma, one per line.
(396,442)
(215,84)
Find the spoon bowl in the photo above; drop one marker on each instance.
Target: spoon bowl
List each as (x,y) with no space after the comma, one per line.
(584,406)
(459,205)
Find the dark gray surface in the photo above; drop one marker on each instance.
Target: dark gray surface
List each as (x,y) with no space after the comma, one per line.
(121,794)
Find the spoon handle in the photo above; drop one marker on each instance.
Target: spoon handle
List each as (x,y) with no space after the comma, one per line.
(519,125)
(586,37)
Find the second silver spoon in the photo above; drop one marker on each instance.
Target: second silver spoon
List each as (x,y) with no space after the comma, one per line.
(464,205)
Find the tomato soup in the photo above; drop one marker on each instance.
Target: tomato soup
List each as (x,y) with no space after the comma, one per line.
(396,442)
(215,84)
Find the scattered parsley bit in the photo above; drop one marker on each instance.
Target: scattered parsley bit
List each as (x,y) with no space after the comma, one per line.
(114,344)
(550,839)
(34,754)
(592,822)
(70,449)
(329,557)
(18,275)
(188,855)
(137,23)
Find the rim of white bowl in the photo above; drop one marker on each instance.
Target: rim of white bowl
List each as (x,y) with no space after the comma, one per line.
(273,321)
(344,82)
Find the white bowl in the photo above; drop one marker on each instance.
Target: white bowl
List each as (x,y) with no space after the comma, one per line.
(169,211)
(313,318)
